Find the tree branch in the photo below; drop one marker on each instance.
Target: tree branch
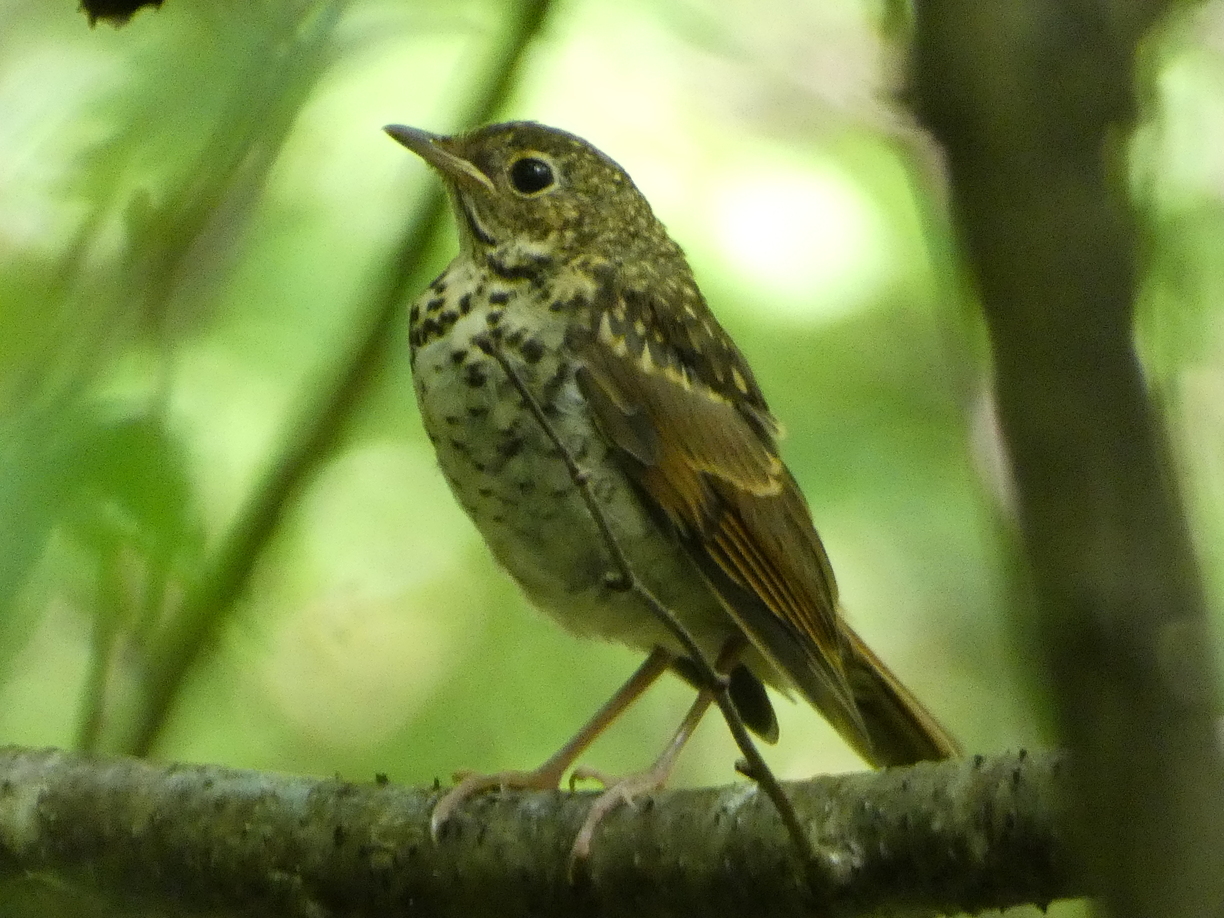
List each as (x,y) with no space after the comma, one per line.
(935,838)
(1031,99)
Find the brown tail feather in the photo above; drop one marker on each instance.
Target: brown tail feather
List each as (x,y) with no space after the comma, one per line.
(900,730)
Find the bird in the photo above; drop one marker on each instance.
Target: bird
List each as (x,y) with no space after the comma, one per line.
(569,333)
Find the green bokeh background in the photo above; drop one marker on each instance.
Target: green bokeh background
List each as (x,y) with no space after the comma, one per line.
(195,211)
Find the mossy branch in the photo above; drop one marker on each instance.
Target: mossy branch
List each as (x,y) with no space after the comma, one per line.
(935,838)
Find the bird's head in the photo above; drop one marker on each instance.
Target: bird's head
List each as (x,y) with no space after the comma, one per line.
(538,189)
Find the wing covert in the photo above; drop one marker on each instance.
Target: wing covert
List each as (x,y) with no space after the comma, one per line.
(698,441)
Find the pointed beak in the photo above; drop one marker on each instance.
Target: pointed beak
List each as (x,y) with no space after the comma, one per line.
(432,149)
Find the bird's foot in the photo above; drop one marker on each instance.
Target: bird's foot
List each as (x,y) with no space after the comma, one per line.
(617,791)
(469,784)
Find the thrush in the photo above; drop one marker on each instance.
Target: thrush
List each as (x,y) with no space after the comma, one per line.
(568,293)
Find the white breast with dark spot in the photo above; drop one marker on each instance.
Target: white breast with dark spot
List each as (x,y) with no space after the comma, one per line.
(505,471)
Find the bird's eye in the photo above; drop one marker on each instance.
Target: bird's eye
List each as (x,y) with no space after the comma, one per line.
(531,176)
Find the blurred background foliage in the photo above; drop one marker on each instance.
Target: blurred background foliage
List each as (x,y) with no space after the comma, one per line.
(223,537)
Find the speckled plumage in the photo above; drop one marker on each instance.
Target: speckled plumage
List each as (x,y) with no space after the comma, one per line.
(564,264)
(506,475)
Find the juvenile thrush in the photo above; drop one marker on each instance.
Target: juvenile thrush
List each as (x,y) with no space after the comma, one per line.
(566,271)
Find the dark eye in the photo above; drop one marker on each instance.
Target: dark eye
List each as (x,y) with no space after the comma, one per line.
(530,175)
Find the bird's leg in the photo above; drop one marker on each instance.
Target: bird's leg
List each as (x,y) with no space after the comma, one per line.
(548,775)
(624,789)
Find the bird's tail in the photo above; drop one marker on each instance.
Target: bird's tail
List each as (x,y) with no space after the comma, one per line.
(900,731)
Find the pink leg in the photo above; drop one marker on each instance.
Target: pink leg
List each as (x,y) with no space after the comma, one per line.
(548,776)
(623,790)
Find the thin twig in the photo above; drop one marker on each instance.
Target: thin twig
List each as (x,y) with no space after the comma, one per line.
(313,433)
(627,579)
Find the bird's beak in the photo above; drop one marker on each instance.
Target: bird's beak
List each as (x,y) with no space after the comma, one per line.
(432,149)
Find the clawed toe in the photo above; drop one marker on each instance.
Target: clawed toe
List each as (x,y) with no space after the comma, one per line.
(585,773)
(470,784)
(618,791)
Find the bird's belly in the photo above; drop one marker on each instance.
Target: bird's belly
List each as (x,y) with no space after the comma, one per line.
(508,476)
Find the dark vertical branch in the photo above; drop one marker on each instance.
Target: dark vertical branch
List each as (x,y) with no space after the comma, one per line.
(311,434)
(1031,101)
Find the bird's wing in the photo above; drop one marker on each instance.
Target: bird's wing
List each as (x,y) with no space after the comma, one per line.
(670,390)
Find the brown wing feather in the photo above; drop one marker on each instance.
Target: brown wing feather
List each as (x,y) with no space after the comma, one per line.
(707,459)
(716,475)
(738,505)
